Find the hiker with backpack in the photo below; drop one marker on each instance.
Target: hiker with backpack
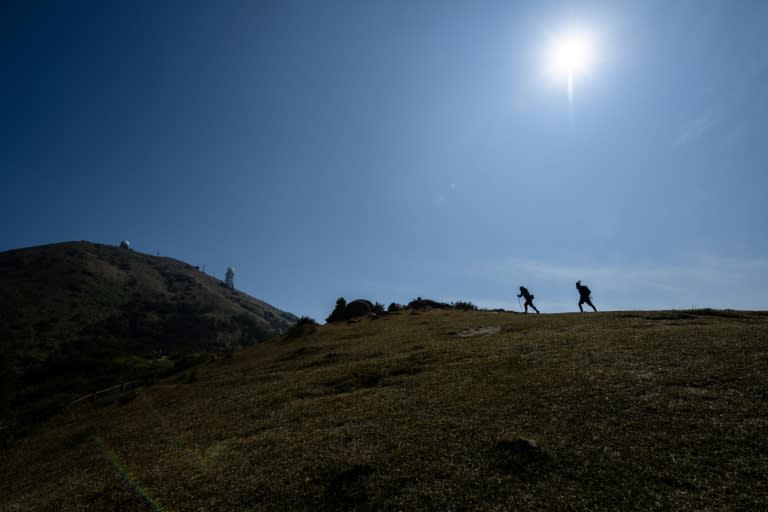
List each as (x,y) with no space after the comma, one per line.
(528,299)
(584,296)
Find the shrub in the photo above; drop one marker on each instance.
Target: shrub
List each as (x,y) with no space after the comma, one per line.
(464,306)
(187,361)
(378,308)
(394,307)
(303,327)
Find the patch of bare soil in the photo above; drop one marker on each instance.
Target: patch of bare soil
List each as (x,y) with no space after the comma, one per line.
(477,331)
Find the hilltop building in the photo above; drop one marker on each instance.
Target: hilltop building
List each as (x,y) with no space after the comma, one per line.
(229,279)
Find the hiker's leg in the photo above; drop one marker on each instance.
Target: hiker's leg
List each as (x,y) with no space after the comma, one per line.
(592,305)
(580,308)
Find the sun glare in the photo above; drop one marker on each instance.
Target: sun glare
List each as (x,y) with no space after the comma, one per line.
(569,56)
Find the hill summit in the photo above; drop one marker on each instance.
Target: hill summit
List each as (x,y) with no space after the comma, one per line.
(82,315)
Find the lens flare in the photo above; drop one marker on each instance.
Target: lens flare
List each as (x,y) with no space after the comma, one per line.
(124,473)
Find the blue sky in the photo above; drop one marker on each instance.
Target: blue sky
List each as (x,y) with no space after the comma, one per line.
(388,150)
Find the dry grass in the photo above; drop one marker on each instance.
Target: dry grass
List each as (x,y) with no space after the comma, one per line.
(634,411)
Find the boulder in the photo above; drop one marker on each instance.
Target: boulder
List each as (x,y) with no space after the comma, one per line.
(358,307)
(512,455)
(420,303)
(344,311)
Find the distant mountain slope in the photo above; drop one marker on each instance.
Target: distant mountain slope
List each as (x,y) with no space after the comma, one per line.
(79,314)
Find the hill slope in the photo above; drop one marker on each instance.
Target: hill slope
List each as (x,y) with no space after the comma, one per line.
(423,411)
(80,315)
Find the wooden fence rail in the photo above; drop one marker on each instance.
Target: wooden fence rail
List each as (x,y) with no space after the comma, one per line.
(91,396)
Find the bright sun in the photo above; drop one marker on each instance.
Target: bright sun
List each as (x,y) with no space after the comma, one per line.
(571,54)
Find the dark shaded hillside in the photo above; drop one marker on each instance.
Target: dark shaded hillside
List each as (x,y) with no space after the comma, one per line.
(430,410)
(79,315)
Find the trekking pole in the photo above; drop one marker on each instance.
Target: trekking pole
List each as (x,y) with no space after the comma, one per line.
(520,305)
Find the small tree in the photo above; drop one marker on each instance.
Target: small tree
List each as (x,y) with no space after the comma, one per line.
(339,313)
(378,308)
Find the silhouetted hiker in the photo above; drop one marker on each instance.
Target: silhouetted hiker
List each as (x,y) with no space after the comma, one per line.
(528,299)
(584,296)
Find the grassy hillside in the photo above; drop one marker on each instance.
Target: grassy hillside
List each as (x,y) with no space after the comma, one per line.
(79,316)
(423,411)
